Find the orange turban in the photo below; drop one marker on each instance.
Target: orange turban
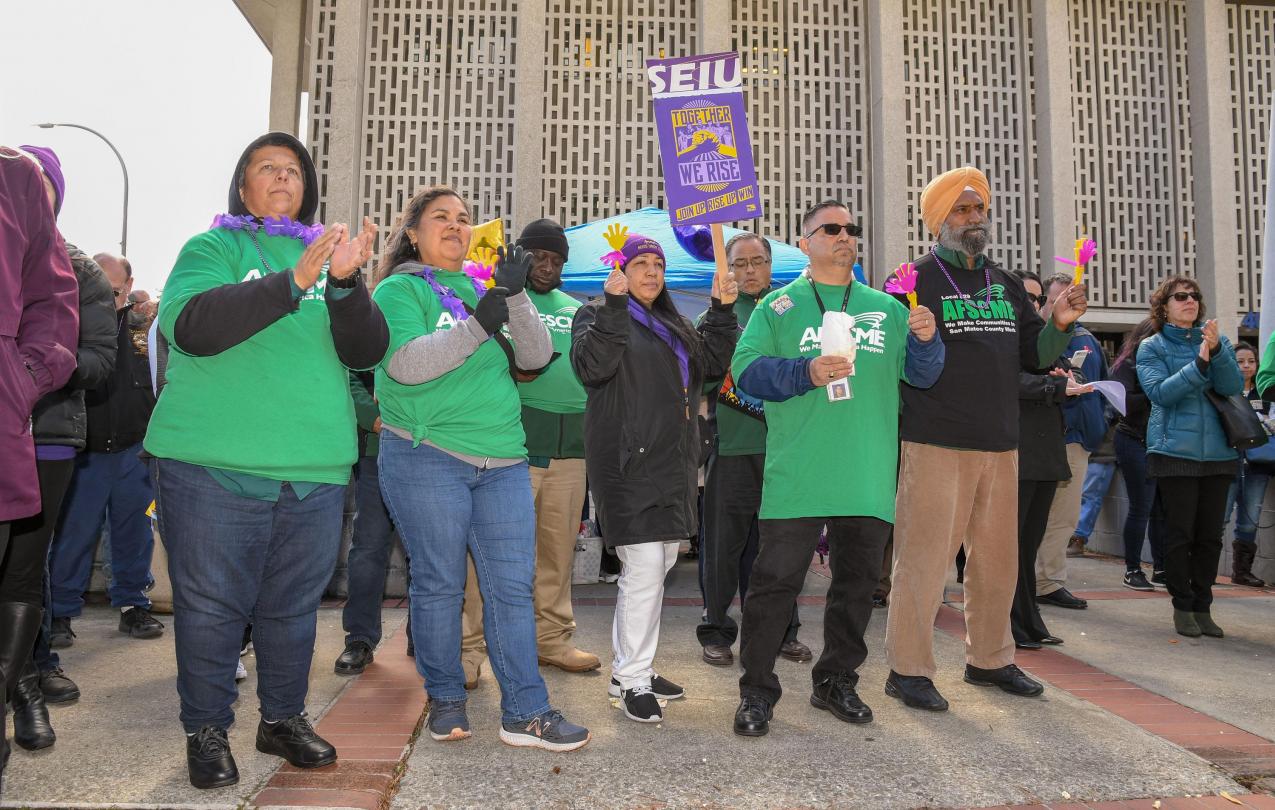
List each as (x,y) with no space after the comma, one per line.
(941,194)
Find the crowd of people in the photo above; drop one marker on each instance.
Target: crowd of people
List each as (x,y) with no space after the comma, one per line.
(474,419)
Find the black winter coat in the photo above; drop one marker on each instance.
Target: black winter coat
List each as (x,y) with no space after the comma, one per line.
(120,408)
(1042,452)
(59,418)
(641,436)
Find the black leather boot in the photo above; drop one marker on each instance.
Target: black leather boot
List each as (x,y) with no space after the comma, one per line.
(31,727)
(1242,557)
(19,623)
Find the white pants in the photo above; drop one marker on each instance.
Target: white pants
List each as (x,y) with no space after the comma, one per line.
(635,633)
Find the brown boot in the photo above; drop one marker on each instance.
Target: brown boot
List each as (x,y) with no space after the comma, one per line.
(1076,546)
(1242,555)
(571,660)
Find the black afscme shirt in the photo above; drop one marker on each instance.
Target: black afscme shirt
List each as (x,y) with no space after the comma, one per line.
(974,405)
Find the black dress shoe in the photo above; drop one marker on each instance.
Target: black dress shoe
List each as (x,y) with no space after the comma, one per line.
(796,651)
(354,659)
(295,740)
(916,691)
(752,718)
(1027,645)
(58,688)
(1051,640)
(836,694)
(719,655)
(208,759)
(1009,678)
(31,727)
(1063,598)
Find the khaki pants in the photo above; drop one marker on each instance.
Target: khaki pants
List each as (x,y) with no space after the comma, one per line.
(946,498)
(558,491)
(1051,559)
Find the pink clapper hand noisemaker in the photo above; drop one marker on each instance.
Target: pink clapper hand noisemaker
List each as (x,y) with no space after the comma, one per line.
(904,283)
(481,266)
(1086,249)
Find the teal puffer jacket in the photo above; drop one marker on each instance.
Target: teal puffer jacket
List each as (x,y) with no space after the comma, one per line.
(1183,422)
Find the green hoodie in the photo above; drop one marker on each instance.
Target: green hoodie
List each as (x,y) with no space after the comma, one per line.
(1266,371)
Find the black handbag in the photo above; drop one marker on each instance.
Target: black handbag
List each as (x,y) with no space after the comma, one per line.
(1240,422)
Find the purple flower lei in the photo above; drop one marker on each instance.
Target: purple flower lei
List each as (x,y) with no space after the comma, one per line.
(273,226)
(450,300)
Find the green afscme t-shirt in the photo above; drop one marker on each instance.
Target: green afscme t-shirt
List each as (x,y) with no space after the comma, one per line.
(738,433)
(472,409)
(830,459)
(558,390)
(276,405)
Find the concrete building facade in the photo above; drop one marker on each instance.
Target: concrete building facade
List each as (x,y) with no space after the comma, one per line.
(1140,123)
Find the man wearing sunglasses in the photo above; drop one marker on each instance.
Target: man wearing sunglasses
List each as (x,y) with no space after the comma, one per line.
(733,480)
(958,478)
(831,455)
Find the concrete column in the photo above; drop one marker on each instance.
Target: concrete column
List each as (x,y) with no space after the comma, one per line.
(713,20)
(287,52)
(1212,156)
(529,111)
(1055,141)
(347,114)
(887,186)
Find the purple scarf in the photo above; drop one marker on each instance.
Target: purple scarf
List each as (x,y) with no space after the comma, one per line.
(662,332)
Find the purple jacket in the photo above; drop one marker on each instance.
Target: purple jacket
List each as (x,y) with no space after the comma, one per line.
(39,324)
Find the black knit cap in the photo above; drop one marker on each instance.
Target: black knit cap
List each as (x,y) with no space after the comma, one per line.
(544,234)
(309,197)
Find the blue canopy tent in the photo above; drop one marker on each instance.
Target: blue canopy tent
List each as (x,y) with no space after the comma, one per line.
(688,279)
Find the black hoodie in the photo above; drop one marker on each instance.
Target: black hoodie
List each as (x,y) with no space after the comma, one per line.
(226,316)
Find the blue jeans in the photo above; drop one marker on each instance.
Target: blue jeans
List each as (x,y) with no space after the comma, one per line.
(370,549)
(1097,481)
(235,560)
(445,508)
(1249,503)
(1131,455)
(114,487)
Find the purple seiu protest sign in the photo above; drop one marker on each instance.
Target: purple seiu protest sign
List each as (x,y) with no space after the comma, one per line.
(708,158)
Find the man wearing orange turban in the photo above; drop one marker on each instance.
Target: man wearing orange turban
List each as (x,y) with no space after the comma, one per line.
(958,469)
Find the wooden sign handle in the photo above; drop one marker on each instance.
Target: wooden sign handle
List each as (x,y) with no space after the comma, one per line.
(719,251)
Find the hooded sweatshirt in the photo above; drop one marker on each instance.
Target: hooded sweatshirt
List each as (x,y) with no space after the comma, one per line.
(257,388)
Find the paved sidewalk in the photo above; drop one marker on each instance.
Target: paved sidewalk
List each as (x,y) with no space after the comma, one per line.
(1123,706)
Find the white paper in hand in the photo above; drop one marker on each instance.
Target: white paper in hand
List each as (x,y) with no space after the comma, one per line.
(1114,392)
(837,340)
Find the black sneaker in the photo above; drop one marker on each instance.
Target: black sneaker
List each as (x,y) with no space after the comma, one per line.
(61,635)
(295,740)
(139,623)
(1137,581)
(447,720)
(661,687)
(550,731)
(640,704)
(58,688)
(1158,579)
(208,759)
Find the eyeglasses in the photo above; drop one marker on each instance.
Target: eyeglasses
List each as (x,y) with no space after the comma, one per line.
(834,228)
(756,261)
(1181,297)
(1040,300)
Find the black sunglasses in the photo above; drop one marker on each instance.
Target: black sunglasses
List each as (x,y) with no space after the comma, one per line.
(834,228)
(1181,297)
(1040,300)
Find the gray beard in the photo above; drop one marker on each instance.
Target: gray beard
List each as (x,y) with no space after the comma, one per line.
(971,240)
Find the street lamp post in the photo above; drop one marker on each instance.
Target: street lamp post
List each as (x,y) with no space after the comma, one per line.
(123,168)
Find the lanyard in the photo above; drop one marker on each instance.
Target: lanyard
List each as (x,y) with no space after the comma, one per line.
(987,278)
(845,302)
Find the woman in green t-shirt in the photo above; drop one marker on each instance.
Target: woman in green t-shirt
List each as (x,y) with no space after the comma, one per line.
(253,438)
(453,462)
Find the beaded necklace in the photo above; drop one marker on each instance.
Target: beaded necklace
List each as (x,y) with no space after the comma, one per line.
(987,277)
